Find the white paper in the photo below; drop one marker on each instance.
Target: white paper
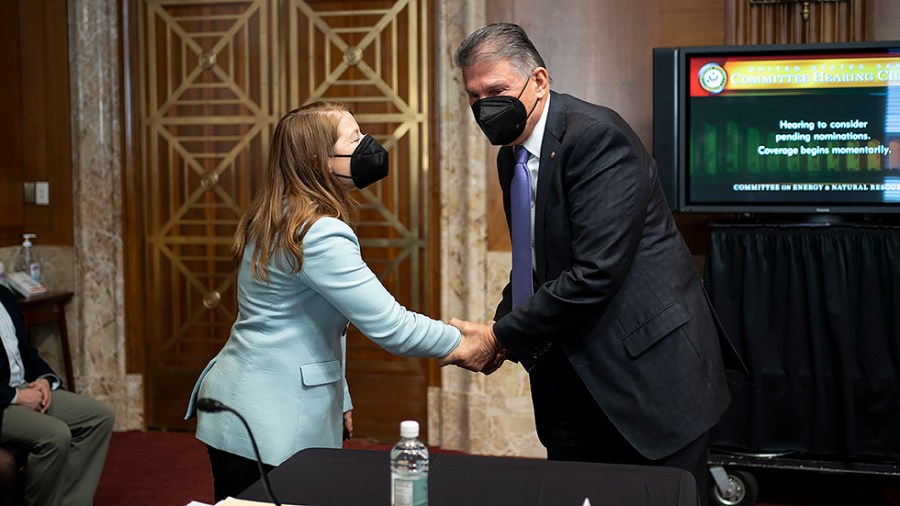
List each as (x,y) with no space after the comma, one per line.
(231,501)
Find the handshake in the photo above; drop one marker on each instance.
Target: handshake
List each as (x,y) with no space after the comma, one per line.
(479,350)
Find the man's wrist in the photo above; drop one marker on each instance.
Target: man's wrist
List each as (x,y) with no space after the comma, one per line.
(52,381)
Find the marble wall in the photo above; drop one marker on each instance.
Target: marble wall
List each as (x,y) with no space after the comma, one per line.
(489,415)
(97,262)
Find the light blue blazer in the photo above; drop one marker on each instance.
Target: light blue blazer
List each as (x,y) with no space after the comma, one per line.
(283,365)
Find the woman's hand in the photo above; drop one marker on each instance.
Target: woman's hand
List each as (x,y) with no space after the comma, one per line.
(348,424)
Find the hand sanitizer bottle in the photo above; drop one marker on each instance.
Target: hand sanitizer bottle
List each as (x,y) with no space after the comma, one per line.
(27,261)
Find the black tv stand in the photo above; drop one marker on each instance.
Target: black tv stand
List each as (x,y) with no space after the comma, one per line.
(812,219)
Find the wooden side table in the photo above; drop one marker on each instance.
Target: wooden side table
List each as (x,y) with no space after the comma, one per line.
(51,308)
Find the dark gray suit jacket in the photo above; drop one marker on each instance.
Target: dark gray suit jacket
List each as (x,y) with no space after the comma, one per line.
(615,284)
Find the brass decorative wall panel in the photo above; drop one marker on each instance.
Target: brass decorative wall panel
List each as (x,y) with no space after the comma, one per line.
(214,76)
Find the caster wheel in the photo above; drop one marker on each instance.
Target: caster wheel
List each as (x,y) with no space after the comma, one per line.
(744,492)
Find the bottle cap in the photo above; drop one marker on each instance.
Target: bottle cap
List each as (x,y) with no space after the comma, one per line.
(409,428)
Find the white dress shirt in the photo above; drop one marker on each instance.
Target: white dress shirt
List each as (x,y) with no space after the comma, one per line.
(11,343)
(533,145)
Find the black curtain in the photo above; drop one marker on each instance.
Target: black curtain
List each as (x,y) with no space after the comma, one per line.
(814,311)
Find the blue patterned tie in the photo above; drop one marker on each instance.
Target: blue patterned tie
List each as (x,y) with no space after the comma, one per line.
(520,209)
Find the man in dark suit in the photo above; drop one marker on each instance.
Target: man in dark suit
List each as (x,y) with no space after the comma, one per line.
(621,345)
(66,435)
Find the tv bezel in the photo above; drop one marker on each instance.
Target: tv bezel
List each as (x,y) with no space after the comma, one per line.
(682,90)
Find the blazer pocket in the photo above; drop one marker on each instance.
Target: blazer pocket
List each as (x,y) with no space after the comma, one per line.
(660,325)
(321,374)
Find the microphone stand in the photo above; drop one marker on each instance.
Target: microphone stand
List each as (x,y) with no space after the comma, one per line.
(213,406)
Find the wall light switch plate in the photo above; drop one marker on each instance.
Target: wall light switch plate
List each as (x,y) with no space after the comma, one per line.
(28,192)
(42,193)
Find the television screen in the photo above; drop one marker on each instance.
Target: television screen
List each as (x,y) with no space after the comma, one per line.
(812,128)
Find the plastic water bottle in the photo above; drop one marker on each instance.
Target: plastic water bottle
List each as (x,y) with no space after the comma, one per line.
(409,468)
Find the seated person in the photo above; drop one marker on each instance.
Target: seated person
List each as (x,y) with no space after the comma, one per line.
(67,435)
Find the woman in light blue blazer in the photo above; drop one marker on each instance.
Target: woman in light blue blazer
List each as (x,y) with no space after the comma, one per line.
(301,281)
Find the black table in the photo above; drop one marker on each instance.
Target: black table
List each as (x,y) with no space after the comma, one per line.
(331,477)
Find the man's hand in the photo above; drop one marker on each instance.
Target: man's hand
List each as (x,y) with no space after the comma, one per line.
(43,386)
(479,350)
(31,398)
(495,362)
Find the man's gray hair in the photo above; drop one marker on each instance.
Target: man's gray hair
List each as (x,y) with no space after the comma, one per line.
(499,41)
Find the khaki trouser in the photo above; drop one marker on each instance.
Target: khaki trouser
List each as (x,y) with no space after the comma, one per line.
(67,448)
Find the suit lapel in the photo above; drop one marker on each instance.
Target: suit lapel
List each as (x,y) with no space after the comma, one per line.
(553,132)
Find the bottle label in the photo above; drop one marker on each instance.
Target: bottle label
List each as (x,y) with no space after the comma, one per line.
(35,271)
(409,492)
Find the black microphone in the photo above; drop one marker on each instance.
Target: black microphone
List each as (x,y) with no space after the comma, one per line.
(213,406)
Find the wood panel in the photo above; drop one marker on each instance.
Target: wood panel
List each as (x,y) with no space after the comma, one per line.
(132,201)
(39,144)
(882,16)
(11,175)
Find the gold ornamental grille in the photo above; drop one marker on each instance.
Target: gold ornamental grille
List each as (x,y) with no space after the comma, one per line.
(214,78)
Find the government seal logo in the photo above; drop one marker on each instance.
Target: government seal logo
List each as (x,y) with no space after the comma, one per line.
(712,78)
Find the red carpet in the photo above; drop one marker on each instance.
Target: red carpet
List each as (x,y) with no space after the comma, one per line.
(155,469)
(163,469)
(171,469)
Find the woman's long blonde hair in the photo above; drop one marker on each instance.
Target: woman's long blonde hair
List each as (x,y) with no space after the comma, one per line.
(297,188)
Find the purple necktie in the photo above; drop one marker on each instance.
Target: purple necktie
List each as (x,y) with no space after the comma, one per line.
(520,209)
